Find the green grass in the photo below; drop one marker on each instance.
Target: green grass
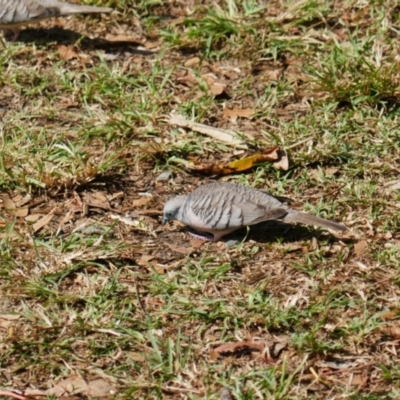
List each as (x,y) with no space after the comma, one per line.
(98,292)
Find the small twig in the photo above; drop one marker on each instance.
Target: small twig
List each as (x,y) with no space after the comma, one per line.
(222,135)
(13,395)
(138,297)
(299,143)
(318,378)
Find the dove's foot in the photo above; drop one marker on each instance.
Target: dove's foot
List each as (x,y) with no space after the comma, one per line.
(202,236)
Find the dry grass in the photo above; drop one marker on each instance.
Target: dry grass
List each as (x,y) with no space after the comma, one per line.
(98,300)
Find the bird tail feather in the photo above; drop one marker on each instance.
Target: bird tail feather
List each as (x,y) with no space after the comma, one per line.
(67,9)
(308,219)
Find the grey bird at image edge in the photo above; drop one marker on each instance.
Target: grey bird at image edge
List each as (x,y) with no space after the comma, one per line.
(221,208)
(17,13)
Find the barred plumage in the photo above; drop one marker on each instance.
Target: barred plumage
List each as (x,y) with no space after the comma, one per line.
(17,13)
(221,208)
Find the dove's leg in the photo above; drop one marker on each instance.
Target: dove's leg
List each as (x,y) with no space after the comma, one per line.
(14,37)
(16,34)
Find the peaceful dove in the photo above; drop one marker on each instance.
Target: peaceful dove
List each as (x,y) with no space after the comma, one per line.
(218,209)
(17,13)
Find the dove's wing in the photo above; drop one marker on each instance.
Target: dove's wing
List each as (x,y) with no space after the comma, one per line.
(225,209)
(16,12)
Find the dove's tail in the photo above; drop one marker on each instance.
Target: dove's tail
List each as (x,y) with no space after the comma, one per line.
(67,9)
(308,219)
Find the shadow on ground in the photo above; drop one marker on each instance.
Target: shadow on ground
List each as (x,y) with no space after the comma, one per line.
(62,36)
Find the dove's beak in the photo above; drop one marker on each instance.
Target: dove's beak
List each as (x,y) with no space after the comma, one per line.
(164,221)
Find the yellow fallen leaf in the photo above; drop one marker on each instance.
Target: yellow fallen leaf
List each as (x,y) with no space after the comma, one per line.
(241,165)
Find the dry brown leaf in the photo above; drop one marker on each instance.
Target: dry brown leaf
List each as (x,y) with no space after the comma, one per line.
(20,212)
(6,320)
(16,198)
(155,302)
(283,161)
(278,347)
(116,196)
(392,330)
(71,385)
(331,171)
(66,103)
(144,260)
(137,357)
(93,201)
(196,243)
(10,317)
(43,221)
(177,21)
(122,39)
(214,355)
(98,387)
(21,201)
(10,206)
(186,77)
(67,217)
(67,52)
(236,346)
(149,212)
(236,113)
(160,269)
(181,250)
(33,217)
(360,247)
(99,197)
(215,87)
(392,186)
(293,247)
(140,202)
(75,205)
(7,203)
(359,380)
(393,314)
(192,62)
(273,74)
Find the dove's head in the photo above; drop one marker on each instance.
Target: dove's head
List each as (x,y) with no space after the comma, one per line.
(173,209)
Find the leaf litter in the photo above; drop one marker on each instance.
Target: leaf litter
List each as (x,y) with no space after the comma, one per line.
(74,385)
(208,298)
(274,156)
